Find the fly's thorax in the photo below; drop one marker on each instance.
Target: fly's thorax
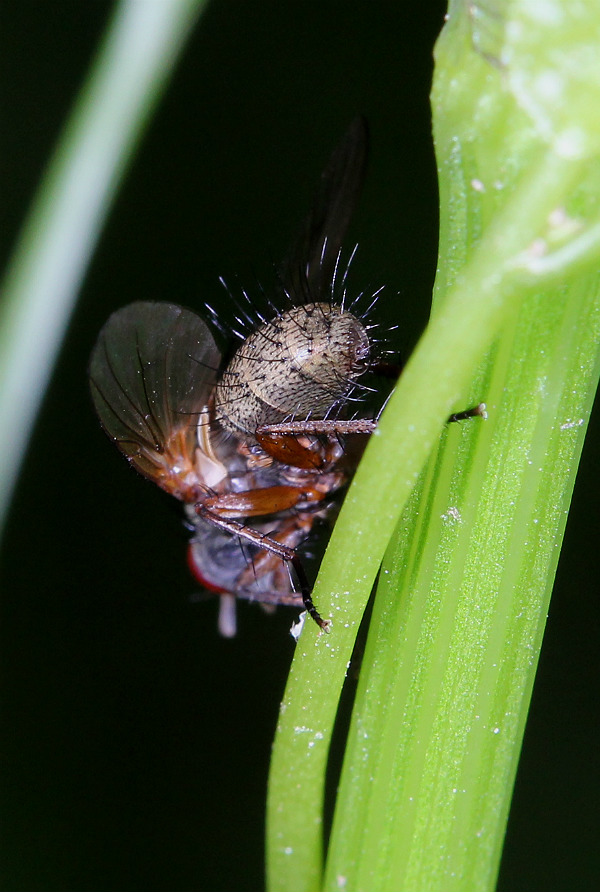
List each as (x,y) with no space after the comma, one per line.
(299,365)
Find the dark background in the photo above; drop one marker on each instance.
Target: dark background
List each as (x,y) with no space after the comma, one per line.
(135,741)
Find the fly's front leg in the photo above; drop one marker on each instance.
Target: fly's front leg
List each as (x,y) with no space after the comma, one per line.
(319,427)
(479,410)
(332,428)
(394,370)
(289,442)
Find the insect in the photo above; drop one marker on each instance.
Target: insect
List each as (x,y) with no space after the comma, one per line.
(256,450)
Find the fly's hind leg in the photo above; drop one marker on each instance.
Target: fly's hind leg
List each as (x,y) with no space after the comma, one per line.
(291,535)
(262,540)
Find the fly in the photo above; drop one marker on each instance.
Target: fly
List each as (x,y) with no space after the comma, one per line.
(256,450)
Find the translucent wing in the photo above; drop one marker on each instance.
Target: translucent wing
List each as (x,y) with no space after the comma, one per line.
(308,270)
(151,373)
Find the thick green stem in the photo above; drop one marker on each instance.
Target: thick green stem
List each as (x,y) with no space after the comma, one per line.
(460,609)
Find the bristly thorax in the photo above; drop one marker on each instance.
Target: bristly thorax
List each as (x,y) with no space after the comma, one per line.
(299,365)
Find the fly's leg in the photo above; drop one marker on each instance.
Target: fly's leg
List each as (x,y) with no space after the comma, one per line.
(294,532)
(262,540)
(479,410)
(330,427)
(317,427)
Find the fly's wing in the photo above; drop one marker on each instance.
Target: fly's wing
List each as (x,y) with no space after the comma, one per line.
(308,271)
(151,373)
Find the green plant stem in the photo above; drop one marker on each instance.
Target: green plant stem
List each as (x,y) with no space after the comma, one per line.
(451,656)
(125,82)
(459,617)
(449,354)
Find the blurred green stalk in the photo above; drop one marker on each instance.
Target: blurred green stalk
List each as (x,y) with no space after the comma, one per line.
(460,610)
(126,80)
